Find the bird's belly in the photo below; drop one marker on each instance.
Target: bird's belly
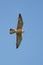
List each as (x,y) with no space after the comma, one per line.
(19,31)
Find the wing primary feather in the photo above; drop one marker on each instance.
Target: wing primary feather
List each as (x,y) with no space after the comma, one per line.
(18,40)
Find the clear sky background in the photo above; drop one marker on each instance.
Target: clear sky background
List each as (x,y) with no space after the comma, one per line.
(30,51)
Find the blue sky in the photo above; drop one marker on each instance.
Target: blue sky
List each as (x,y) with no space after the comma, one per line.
(30,51)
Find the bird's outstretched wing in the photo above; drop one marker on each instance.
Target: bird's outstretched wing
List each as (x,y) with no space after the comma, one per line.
(20,22)
(19,35)
(18,39)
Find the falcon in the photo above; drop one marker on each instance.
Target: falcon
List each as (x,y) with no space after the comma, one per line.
(18,31)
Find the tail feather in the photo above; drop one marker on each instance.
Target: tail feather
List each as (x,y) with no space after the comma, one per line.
(12,31)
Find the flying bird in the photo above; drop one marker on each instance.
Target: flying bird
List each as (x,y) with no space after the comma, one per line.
(18,31)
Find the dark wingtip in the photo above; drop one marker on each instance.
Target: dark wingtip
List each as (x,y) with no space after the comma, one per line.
(19,14)
(16,47)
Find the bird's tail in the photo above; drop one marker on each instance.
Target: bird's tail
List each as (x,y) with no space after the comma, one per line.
(12,31)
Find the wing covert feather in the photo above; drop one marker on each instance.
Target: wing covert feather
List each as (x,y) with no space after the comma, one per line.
(20,23)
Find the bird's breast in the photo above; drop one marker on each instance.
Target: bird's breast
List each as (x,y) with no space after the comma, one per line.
(19,31)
